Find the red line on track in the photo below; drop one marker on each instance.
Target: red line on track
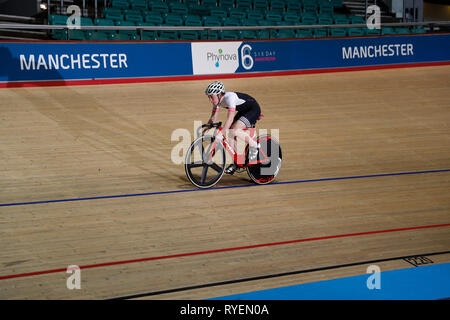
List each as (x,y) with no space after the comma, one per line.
(180,255)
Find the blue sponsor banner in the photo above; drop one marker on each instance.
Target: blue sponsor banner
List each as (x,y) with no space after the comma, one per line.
(48,61)
(264,56)
(42,61)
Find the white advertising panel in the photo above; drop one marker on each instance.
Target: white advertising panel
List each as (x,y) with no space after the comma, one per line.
(215,57)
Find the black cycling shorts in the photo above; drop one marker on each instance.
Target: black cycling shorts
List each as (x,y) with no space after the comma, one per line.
(249,116)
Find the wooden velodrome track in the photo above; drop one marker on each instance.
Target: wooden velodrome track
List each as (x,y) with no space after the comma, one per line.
(82,142)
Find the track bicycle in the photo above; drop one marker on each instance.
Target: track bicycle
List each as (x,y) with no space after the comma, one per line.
(205,159)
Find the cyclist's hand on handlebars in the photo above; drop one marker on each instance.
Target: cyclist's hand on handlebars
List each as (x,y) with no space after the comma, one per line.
(208,126)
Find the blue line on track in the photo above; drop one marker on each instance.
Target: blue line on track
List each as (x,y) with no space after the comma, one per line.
(221,188)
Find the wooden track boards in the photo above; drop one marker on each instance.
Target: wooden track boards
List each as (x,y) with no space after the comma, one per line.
(93,141)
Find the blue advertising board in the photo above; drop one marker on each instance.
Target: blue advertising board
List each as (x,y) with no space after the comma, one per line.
(87,61)
(342,52)
(48,61)
(310,54)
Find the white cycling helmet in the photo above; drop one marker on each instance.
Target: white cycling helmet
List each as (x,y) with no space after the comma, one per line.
(215,87)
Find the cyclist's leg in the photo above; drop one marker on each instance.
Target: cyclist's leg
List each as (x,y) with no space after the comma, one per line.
(249,119)
(235,133)
(237,130)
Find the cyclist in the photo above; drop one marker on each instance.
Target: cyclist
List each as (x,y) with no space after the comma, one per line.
(243,112)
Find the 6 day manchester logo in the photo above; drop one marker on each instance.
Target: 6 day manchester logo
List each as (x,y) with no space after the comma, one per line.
(249,56)
(227,57)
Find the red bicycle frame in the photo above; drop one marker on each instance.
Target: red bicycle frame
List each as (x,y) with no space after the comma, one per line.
(239,159)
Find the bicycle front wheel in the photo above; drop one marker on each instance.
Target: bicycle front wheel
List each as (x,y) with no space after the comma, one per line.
(205,162)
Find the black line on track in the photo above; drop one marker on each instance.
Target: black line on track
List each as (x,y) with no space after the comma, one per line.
(276,275)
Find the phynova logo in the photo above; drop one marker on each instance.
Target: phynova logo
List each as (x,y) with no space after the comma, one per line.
(215,57)
(220,56)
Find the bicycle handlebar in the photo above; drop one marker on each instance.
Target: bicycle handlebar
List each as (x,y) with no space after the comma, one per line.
(212,125)
(209,125)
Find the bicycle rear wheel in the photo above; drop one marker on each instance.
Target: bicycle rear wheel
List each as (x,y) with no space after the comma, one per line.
(205,162)
(264,173)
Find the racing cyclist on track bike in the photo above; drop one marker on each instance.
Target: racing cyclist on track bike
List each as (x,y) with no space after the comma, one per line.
(243,112)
